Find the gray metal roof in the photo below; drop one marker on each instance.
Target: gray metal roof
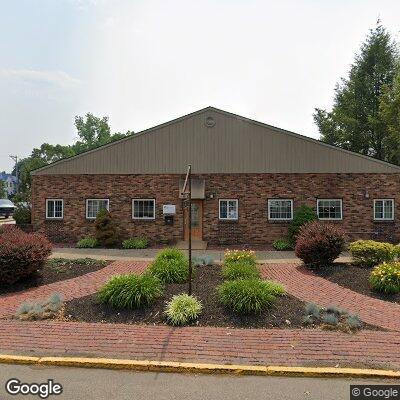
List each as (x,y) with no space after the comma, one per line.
(216,141)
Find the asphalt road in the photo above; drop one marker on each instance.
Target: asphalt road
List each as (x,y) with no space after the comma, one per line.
(104,384)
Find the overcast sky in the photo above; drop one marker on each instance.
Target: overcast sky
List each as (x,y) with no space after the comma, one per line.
(146,62)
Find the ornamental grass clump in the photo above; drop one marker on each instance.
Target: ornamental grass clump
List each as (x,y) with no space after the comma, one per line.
(183,309)
(238,270)
(33,311)
(239,256)
(131,291)
(385,278)
(87,243)
(368,253)
(283,244)
(21,254)
(140,242)
(248,296)
(170,266)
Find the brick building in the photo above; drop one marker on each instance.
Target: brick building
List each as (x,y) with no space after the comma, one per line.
(249,177)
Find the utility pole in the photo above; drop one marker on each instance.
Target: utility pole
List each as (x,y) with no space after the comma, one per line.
(15,158)
(188,194)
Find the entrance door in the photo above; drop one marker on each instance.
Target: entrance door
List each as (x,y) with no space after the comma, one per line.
(197,221)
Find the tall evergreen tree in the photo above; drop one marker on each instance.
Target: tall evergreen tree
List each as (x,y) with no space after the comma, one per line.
(355,122)
(389,112)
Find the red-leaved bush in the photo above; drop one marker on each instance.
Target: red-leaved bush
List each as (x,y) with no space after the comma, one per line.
(319,244)
(21,254)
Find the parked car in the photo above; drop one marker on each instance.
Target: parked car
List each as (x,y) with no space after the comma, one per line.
(7,208)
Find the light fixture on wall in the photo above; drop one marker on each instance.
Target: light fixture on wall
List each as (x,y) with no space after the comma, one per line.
(366,194)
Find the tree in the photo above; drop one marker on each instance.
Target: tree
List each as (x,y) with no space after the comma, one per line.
(389,111)
(355,122)
(3,192)
(106,229)
(92,132)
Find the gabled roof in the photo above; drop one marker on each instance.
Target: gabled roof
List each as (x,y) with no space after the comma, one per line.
(216,141)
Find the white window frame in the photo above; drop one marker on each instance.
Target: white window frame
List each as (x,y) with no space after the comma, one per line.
(47,208)
(280,219)
(383,218)
(228,218)
(144,218)
(87,206)
(331,219)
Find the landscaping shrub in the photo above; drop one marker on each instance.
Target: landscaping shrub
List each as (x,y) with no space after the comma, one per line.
(21,254)
(385,278)
(131,291)
(106,229)
(242,256)
(49,308)
(200,261)
(183,309)
(282,244)
(87,243)
(22,215)
(170,266)
(238,270)
(319,244)
(247,296)
(136,243)
(302,215)
(369,253)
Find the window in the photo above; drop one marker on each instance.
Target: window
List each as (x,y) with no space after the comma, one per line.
(93,206)
(54,208)
(329,208)
(143,208)
(228,209)
(280,209)
(384,209)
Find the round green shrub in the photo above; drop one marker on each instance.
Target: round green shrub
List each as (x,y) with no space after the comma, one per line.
(319,244)
(131,291)
(135,243)
(87,243)
(369,253)
(385,278)
(247,296)
(240,270)
(22,215)
(282,244)
(170,266)
(183,309)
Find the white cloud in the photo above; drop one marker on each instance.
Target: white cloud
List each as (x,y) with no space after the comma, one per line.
(58,79)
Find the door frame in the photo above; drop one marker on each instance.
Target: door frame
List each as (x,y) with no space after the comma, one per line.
(200,202)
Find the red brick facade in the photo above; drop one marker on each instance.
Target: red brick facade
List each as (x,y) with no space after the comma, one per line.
(357,192)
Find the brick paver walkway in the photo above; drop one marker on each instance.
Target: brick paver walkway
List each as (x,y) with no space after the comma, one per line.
(296,347)
(71,288)
(305,285)
(291,347)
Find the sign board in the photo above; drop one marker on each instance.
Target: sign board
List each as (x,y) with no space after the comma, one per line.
(169,209)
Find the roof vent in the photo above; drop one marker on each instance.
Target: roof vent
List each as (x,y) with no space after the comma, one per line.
(209,122)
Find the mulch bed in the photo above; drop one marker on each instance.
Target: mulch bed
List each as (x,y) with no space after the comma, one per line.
(55,270)
(285,312)
(355,278)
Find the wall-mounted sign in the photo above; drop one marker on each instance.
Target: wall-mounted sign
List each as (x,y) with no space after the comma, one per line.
(169,209)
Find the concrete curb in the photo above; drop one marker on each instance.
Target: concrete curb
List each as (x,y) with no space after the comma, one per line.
(171,366)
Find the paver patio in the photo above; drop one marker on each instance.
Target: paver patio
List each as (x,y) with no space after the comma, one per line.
(378,349)
(306,286)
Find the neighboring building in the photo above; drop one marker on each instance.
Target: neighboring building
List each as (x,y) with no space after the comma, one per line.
(248,179)
(10,183)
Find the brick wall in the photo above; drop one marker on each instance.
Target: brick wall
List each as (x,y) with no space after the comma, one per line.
(252,191)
